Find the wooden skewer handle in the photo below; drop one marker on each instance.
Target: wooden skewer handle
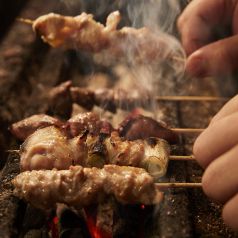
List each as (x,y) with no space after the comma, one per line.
(13,151)
(171,157)
(187,130)
(182,157)
(192,98)
(26,21)
(178,185)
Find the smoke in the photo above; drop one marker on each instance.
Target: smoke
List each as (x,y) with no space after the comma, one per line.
(160,17)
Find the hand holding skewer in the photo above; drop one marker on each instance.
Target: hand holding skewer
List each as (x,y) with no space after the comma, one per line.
(216,149)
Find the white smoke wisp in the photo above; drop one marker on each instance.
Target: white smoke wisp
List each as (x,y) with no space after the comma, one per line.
(72,4)
(160,17)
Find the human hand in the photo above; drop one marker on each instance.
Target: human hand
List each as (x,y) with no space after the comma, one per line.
(216,149)
(197,23)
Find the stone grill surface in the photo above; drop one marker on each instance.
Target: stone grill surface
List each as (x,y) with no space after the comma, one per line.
(28,68)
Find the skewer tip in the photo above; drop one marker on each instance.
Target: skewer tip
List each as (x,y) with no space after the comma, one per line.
(26,21)
(178,185)
(13,151)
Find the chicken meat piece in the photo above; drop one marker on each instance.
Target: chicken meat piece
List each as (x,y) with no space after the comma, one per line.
(152,154)
(80,186)
(49,148)
(82,122)
(24,128)
(141,127)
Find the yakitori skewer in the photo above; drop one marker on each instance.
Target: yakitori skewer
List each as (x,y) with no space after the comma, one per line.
(111,26)
(178,185)
(192,98)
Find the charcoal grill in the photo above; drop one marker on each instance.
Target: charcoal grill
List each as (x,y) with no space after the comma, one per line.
(28,68)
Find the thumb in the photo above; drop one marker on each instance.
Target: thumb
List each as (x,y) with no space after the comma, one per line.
(218,58)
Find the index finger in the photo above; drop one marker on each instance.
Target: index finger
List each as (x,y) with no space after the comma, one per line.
(199,19)
(229,108)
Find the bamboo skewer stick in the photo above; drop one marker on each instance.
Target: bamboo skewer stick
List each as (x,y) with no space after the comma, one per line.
(179,59)
(13,151)
(25,20)
(182,157)
(187,130)
(192,98)
(178,185)
(171,157)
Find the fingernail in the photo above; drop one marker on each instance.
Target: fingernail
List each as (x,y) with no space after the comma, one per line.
(196,65)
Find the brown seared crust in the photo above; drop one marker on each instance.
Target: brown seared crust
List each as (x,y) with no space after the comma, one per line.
(89,122)
(24,128)
(60,100)
(141,127)
(83,96)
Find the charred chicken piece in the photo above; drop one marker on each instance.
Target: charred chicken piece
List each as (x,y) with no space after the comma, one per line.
(80,186)
(84,33)
(88,122)
(26,127)
(82,122)
(83,96)
(141,127)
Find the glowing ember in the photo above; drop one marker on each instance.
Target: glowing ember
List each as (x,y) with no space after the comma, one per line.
(96,232)
(53,227)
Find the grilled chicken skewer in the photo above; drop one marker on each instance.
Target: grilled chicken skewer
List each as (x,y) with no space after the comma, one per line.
(112,99)
(49,148)
(80,186)
(84,33)
(133,127)
(87,141)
